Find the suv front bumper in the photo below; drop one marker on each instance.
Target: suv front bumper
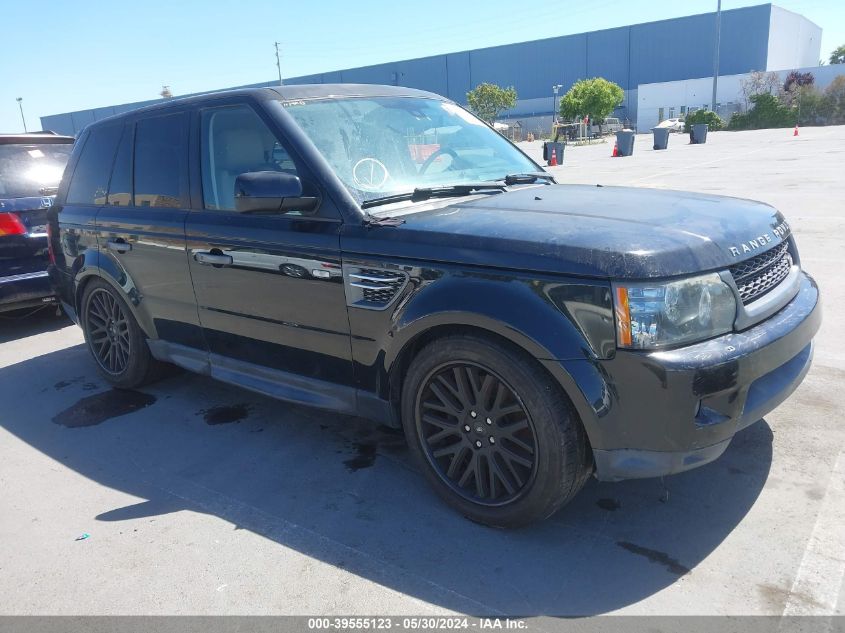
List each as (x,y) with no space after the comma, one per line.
(659,413)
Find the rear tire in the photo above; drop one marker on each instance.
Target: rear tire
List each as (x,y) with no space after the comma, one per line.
(114,338)
(525,454)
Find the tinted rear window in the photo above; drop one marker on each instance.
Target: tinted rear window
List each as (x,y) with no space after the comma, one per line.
(31,170)
(160,161)
(91,176)
(120,186)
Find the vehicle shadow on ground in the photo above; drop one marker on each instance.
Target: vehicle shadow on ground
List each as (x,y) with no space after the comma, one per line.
(342,491)
(22,323)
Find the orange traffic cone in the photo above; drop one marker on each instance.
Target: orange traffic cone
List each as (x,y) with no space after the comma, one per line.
(553,159)
(615,149)
(795,133)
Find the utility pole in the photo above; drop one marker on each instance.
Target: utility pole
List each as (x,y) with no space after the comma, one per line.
(20,105)
(555,89)
(716,51)
(279,62)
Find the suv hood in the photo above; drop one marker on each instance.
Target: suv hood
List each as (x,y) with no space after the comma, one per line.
(613,232)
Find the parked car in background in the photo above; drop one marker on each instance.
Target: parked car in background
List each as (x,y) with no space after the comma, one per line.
(611,125)
(298,241)
(31,167)
(674,124)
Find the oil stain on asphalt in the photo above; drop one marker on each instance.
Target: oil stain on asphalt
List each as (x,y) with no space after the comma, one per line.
(655,556)
(365,456)
(368,441)
(100,407)
(225,414)
(608,504)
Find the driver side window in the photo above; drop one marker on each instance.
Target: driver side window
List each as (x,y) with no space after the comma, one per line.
(235,141)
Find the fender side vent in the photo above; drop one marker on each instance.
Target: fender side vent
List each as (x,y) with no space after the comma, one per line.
(373,288)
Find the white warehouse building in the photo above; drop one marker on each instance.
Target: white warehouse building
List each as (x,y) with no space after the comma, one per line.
(660,101)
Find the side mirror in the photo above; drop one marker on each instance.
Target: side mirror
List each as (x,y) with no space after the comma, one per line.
(271,192)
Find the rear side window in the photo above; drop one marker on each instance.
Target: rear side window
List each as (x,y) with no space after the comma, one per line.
(120,186)
(91,177)
(161,161)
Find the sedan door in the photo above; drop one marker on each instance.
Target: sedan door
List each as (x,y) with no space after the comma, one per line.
(269,287)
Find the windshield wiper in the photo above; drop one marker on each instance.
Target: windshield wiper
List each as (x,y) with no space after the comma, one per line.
(425,193)
(527,178)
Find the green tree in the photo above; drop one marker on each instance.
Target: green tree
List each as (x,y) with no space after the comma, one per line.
(489,100)
(838,55)
(595,98)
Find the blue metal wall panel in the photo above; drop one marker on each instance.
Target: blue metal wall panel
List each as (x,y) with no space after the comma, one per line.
(459,76)
(668,50)
(531,67)
(570,61)
(608,55)
(60,123)
(427,73)
(745,41)
(683,48)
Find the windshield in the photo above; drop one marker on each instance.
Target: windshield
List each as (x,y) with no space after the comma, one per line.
(381,146)
(31,170)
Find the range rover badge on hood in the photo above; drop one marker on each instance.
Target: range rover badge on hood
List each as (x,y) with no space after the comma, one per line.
(781,231)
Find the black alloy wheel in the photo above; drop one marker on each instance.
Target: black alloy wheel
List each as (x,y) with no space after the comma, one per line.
(495,436)
(108,332)
(114,338)
(476,433)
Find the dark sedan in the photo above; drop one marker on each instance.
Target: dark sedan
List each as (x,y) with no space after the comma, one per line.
(31,166)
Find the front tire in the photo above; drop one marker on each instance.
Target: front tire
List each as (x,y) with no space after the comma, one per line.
(115,339)
(495,436)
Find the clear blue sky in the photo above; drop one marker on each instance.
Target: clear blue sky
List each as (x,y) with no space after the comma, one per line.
(78,54)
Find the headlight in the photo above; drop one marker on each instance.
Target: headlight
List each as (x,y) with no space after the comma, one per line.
(651,315)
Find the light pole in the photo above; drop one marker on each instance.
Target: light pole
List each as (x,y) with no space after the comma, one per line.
(20,105)
(555,89)
(279,63)
(716,52)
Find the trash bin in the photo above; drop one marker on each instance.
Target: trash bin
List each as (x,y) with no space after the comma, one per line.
(699,133)
(550,148)
(625,142)
(661,137)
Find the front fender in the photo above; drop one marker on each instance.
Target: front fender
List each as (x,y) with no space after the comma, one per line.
(519,309)
(541,314)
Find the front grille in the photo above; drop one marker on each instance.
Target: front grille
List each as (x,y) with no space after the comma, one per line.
(756,276)
(374,287)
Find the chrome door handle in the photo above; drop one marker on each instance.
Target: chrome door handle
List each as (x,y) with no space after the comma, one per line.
(212,259)
(118,246)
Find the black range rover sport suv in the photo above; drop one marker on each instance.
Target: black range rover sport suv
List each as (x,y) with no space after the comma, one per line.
(381,252)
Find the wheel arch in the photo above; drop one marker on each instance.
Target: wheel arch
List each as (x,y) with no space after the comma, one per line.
(105,270)
(523,345)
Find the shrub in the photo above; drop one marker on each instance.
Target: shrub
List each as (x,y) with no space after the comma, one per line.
(835,95)
(814,107)
(768,112)
(709,117)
